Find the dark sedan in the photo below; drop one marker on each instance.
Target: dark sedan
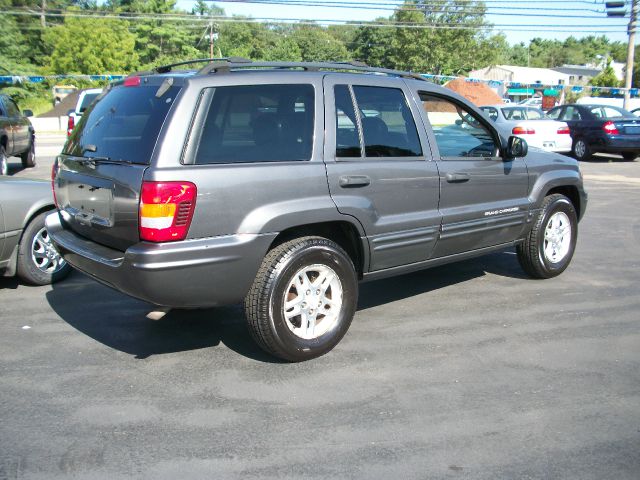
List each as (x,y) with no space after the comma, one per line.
(600,128)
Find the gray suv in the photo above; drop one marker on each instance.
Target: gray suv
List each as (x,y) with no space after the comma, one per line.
(283,185)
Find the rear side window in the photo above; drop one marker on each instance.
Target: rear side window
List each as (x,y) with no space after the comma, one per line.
(86,101)
(388,127)
(258,123)
(123,125)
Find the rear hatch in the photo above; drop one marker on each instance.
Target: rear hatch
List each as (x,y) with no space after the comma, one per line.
(100,170)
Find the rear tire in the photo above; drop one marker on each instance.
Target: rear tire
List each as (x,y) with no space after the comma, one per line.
(4,161)
(549,247)
(303,299)
(581,150)
(29,157)
(38,261)
(629,156)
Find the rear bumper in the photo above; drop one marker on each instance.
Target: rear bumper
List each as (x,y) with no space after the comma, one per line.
(558,144)
(618,144)
(192,273)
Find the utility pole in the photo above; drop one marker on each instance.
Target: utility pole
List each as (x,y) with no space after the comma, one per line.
(630,52)
(213,36)
(43,20)
(631,46)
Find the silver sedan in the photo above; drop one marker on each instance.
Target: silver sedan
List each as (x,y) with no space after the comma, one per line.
(25,247)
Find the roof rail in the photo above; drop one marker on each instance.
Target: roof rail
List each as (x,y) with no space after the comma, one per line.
(227,64)
(167,68)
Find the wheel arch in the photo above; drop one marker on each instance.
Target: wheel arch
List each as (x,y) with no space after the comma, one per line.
(342,232)
(13,259)
(572,193)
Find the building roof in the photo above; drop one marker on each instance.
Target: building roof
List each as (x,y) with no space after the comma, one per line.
(578,70)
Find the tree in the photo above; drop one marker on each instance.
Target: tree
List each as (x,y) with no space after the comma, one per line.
(318,45)
(371,45)
(88,46)
(160,41)
(606,78)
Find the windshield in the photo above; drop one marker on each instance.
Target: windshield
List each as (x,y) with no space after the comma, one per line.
(123,125)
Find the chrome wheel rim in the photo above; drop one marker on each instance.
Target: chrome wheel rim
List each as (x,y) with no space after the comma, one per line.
(44,255)
(312,301)
(4,165)
(581,148)
(557,237)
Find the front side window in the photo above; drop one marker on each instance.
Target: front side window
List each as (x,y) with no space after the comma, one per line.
(458,132)
(258,123)
(388,127)
(571,113)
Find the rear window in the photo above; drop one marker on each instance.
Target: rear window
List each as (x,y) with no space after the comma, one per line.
(257,123)
(123,125)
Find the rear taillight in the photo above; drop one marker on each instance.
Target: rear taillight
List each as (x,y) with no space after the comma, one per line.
(523,131)
(71,122)
(564,131)
(166,210)
(610,128)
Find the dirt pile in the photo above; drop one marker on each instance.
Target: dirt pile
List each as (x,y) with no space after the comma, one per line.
(477,92)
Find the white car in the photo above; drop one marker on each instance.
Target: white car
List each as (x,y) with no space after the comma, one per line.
(533,125)
(85,99)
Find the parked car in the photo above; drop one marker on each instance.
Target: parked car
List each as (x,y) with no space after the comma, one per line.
(85,99)
(17,136)
(533,125)
(600,128)
(531,102)
(25,245)
(204,188)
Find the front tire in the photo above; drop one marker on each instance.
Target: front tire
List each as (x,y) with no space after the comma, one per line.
(303,299)
(29,157)
(39,263)
(581,150)
(549,247)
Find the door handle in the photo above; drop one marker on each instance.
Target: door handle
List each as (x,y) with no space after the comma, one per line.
(351,181)
(457,177)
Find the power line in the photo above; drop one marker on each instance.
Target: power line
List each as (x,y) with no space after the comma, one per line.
(420,25)
(420,8)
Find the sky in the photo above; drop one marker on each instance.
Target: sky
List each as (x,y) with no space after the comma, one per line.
(519,20)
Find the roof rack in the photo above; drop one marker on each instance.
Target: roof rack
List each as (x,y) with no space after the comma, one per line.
(225,65)
(167,68)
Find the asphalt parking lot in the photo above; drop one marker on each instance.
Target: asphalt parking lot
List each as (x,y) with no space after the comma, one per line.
(468,371)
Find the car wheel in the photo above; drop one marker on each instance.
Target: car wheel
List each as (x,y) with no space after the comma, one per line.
(39,263)
(629,156)
(4,161)
(548,249)
(581,150)
(29,157)
(303,299)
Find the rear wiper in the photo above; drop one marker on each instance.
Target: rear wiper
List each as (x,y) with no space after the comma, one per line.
(96,160)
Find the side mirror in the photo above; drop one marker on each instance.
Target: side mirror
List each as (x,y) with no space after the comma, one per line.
(27,113)
(517,147)
(459,121)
